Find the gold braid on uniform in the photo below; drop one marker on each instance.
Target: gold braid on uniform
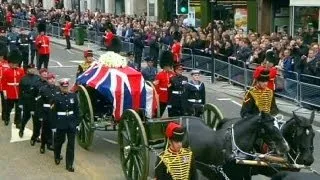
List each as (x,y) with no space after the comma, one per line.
(262,98)
(178,164)
(85,66)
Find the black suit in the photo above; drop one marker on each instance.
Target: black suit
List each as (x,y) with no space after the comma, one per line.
(66,120)
(176,95)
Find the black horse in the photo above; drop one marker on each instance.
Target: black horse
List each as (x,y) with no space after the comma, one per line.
(220,147)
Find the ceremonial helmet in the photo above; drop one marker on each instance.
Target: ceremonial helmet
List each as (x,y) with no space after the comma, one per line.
(15,56)
(262,75)
(175,132)
(177,36)
(271,56)
(166,59)
(67,18)
(41,27)
(88,53)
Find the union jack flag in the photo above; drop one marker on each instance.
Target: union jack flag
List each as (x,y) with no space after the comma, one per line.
(124,87)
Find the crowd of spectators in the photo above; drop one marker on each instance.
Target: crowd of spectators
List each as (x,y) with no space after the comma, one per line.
(299,53)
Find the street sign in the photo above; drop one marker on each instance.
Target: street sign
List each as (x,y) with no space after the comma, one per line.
(192,16)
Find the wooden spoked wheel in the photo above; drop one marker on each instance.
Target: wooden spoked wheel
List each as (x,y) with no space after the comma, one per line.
(86,133)
(133,142)
(157,98)
(211,115)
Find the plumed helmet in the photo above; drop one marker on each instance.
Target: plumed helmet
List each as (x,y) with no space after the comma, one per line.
(15,56)
(175,132)
(3,49)
(262,75)
(166,59)
(177,36)
(41,27)
(271,56)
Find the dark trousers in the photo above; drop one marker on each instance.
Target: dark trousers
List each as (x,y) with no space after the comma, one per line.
(33,55)
(26,115)
(3,106)
(162,108)
(175,110)
(137,59)
(10,103)
(68,42)
(46,133)
(43,59)
(60,137)
(25,59)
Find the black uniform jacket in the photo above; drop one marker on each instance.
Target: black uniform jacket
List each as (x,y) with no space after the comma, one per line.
(29,88)
(46,97)
(66,109)
(177,90)
(257,100)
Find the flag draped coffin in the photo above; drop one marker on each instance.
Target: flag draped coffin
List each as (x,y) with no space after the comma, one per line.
(124,87)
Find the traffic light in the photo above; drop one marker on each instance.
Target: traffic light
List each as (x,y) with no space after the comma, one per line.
(182,7)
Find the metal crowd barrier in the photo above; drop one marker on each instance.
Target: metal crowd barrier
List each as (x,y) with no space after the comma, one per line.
(303,89)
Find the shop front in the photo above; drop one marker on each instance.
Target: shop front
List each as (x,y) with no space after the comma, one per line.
(305,16)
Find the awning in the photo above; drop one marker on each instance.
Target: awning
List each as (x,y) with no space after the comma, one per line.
(312,3)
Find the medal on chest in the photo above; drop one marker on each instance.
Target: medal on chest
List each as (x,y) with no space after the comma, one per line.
(71,100)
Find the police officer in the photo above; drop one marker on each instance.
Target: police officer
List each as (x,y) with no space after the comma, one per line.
(23,42)
(175,162)
(195,95)
(10,81)
(149,73)
(46,95)
(66,110)
(176,92)
(32,40)
(29,88)
(88,55)
(12,40)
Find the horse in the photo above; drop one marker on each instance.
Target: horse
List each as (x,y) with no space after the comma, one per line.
(283,175)
(219,148)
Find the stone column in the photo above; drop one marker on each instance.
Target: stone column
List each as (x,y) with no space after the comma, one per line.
(128,7)
(110,6)
(90,5)
(48,4)
(67,4)
(139,7)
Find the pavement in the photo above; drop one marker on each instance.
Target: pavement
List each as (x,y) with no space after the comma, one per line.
(19,160)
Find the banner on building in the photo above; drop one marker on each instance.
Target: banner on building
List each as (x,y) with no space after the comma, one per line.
(241,19)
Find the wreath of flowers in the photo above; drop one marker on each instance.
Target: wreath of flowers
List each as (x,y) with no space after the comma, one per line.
(113,60)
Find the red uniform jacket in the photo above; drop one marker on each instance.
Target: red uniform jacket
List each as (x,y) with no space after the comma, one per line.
(33,21)
(43,44)
(10,81)
(272,76)
(9,17)
(67,29)
(176,51)
(108,38)
(164,82)
(3,66)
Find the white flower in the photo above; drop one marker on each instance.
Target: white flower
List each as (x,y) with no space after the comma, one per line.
(113,60)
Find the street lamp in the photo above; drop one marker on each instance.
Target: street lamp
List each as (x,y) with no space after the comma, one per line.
(213,63)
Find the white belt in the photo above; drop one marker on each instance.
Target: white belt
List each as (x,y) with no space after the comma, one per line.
(44,45)
(195,100)
(65,113)
(47,106)
(13,84)
(24,44)
(177,92)
(33,41)
(163,89)
(37,98)
(13,41)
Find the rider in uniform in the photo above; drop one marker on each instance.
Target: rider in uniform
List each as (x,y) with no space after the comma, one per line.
(46,95)
(66,110)
(259,98)
(29,88)
(3,66)
(195,95)
(176,92)
(23,42)
(162,80)
(176,162)
(88,55)
(10,83)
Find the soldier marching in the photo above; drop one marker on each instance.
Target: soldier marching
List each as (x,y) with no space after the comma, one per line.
(23,44)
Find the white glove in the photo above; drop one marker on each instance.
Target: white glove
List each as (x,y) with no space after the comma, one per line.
(54,130)
(184,82)
(78,128)
(20,106)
